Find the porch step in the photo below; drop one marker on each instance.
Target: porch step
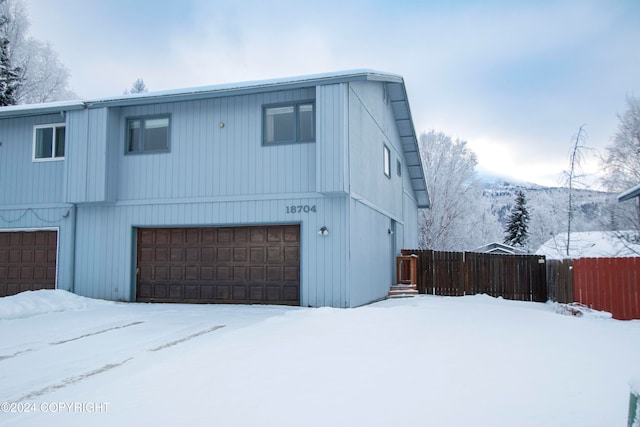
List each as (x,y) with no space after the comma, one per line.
(402,290)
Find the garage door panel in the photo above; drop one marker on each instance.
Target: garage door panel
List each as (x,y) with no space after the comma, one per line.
(240,255)
(291,274)
(224,274)
(27,261)
(239,293)
(240,274)
(229,265)
(224,254)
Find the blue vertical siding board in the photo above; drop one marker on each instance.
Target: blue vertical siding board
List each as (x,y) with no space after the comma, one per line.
(24,181)
(331,139)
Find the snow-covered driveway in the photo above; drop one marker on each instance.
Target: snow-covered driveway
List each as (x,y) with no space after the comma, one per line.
(67,360)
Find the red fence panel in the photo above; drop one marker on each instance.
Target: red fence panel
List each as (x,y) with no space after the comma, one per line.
(609,284)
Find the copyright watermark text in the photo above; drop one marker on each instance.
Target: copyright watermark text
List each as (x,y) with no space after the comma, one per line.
(55,407)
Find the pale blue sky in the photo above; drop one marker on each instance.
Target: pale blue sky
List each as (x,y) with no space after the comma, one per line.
(514,78)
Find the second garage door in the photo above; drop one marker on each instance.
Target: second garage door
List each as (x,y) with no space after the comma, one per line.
(235,265)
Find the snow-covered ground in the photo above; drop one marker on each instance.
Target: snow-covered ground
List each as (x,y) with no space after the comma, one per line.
(424,361)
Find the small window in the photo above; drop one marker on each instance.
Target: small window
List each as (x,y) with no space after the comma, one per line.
(398,168)
(289,123)
(48,142)
(147,134)
(386,156)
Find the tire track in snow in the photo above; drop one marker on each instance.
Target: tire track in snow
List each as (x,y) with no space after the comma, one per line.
(18,353)
(187,338)
(71,380)
(76,379)
(96,333)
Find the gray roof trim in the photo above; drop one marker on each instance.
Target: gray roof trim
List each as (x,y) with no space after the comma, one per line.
(26,110)
(629,194)
(397,94)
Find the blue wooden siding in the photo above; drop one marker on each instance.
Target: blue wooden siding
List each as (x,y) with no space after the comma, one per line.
(370,129)
(207,159)
(91,173)
(371,270)
(23,181)
(105,255)
(332,139)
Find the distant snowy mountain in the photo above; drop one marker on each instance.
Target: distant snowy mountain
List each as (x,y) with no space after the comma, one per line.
(549,207)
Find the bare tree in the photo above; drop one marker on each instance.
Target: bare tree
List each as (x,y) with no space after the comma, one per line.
(43,77)
(459,217)
(621,163)
(574,174)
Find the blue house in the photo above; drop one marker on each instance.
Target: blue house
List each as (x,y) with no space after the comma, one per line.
(295,191)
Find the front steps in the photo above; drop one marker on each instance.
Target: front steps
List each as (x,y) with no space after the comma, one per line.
(402,290)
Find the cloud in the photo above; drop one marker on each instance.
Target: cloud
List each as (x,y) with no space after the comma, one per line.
(509,77)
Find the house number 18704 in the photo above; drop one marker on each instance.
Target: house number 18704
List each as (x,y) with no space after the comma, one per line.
(301,209)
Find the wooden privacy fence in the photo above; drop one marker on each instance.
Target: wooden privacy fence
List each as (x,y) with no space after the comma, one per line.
(609,284)
(560,280)
(516,277)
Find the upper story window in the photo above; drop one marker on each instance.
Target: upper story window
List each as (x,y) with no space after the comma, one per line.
(147,134)
(48,142)
(286,123)
(386,157)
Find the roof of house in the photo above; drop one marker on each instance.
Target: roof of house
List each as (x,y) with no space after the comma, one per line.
(629,194)
(396,92)
(500,248)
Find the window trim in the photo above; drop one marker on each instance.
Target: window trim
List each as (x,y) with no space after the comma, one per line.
(386,159)
(142,119)
(296,119)
(54,143)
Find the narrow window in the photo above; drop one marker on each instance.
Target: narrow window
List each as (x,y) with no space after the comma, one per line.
(289,123)
(48,142)
(150,134)
(386,157)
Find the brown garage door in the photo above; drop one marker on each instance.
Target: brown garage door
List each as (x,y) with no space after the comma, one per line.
(27,261)
(235,265)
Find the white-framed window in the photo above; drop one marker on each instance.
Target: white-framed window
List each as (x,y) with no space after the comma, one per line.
(289,123)
(147,134)
(386,158)
(48,142)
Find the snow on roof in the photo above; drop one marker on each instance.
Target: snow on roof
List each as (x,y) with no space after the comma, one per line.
(592,244)
(629,194)
(38,109)
(253,85)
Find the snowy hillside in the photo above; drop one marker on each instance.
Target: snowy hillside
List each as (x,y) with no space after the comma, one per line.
(548,207)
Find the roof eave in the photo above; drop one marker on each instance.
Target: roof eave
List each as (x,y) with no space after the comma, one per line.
(629,194)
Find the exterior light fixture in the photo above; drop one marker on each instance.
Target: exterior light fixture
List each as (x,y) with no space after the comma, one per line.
(324,231)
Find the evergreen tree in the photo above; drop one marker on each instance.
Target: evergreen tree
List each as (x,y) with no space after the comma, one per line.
(9,76)
(518,226)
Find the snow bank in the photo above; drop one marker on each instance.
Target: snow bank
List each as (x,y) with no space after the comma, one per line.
(30,303)
(577,309)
